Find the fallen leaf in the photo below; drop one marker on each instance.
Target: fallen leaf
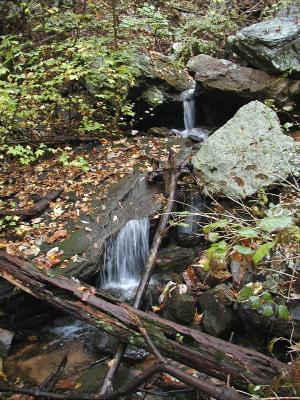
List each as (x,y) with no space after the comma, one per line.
(57,236)
(111,363)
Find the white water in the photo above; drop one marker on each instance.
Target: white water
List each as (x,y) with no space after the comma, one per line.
(125,256)
(189,115)
(188,100)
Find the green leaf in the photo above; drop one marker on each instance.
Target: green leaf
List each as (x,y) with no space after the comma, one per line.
(267,296)
(262,251)
(247,232)
(267,310)
(243,250)
(255,302)
(245,293)
(283,312)
(222,223)
(213,236)
(275,224)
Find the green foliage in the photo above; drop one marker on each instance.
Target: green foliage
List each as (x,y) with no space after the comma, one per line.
(274,224)
(8,221)
(262,251)
(206,34)
(51,87)
(216,255)
(25,154)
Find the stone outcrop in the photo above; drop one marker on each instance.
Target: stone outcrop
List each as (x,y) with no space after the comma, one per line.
(218,76)
(272,46)
(249,152)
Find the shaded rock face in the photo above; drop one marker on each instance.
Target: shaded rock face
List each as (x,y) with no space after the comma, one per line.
(131,198)
(218,316)
(252,319)
(247,153)
(181,306)
(188,233)
(273,46)
(156,94)
(6,338)
(217,76)
(174,259)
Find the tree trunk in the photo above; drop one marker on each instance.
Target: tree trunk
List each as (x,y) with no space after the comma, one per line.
(205,353)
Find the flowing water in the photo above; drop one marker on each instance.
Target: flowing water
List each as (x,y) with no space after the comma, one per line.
(125,256)
(187,98)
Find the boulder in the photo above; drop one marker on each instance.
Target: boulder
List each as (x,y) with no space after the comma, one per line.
(249,152)
(83,249)
(188,231)
(218,316)
(174,259)
(253,319)
(156,66)
(156,93)
(160,132)
(272,46)
(6,338)
(182,306)
(217,76)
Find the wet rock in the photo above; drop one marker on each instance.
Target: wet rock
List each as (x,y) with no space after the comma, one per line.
(182,306)
(218,316)
(107,344)
(215,76)
(160,132)
(156,94)
(188,234)
(84,247)
(272,46)
(6,338)
(174,259)
(275,326)
(249,152)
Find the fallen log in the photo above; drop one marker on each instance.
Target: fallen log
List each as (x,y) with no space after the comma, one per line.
(205,353)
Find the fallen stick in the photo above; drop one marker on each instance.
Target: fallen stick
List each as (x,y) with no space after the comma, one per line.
(49,383)
(213,356)
(151,262)
(39,207)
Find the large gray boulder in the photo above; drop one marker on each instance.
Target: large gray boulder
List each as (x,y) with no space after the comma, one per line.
(273,46)
(249,152)
(217,76)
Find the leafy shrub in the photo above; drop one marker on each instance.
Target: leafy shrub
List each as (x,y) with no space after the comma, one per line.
(205,34)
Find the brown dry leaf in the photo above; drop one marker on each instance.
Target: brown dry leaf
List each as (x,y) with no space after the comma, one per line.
(3,244)
(58,235)
(66,384)
(111,363)
(156,308)
(197,318)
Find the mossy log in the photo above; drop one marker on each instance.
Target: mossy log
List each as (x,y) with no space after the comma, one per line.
(205,353)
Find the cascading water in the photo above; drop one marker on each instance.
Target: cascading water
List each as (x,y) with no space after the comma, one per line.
(126,255)
(189,115)
(188,99)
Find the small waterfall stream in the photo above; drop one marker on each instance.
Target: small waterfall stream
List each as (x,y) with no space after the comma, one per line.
(187,98)
(126,255)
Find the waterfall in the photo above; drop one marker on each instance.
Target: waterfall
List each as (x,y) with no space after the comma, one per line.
(126,255)
(187,97)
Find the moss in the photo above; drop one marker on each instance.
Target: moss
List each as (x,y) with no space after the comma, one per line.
(289,235)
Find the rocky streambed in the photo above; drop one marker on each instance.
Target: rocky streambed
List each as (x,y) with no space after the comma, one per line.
(229,261)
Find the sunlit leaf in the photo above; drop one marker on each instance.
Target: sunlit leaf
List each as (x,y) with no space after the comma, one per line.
(262,251)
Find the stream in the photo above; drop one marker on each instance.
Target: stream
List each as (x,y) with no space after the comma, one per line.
(123,261)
